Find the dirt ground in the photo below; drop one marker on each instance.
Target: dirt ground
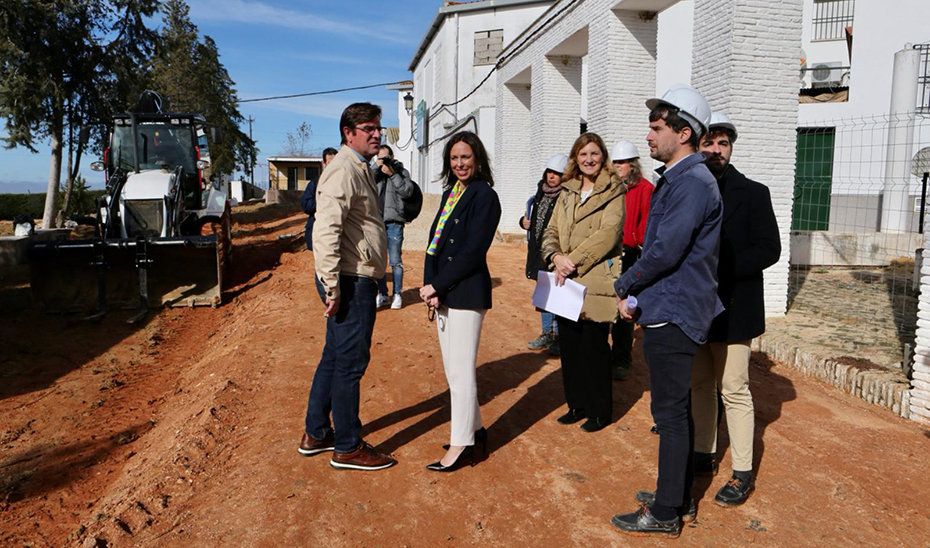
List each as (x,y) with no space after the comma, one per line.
(183,432)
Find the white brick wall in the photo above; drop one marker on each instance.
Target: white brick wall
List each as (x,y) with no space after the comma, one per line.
(745,62)
(744,59)
(512,176)
(621,76)
(920,384)
(556,114)
(621,57)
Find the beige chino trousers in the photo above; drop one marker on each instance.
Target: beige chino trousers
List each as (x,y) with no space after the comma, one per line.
(459,334)
(724,366)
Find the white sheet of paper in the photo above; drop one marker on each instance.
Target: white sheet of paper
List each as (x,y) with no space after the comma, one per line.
(565,301)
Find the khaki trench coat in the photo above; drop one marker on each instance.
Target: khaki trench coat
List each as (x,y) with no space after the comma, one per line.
(591,234)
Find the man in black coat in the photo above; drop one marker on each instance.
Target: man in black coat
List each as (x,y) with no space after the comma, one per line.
(308,200)
(749,243)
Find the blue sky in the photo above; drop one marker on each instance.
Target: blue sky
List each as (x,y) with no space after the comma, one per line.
(282,48)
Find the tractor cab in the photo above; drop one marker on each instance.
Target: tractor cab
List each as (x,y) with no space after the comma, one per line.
(160,142)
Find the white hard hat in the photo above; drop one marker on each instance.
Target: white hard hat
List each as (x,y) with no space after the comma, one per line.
(623,150)
(691,106)
(721,120)
(558,163)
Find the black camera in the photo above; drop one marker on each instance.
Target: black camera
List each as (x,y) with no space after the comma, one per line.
(395,165)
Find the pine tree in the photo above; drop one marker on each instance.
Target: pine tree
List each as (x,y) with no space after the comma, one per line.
(187,71)
(64,63)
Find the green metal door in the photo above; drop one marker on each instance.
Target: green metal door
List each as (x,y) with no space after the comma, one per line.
(813,179)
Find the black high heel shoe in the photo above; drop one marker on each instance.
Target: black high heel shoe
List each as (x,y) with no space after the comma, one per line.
(481,438)
(467,455)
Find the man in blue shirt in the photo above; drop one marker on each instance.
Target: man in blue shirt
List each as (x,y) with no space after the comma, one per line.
(675,283)
(308,200)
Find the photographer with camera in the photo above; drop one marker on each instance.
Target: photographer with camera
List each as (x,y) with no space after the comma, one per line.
(394,185)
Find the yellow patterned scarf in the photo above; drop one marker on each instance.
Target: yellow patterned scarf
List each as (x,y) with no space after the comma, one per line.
(454,196)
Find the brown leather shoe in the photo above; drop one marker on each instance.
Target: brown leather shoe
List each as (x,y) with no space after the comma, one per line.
(365,457)
(310,446)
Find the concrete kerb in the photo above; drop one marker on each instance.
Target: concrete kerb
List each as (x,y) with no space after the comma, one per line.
(882,388)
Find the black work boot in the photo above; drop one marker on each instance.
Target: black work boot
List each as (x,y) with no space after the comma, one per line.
(735,492)
(594,424)
(573,416)
(620,372)
(642,523)
(687,514)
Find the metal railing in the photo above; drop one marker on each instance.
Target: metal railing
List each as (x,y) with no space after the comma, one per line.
(857,230)
(831,17)
(923,79)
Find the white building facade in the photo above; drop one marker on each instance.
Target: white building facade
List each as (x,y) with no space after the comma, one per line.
(458,51)
(851,129)
(606,54)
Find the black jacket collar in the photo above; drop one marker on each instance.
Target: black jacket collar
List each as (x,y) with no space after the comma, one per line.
(734,185)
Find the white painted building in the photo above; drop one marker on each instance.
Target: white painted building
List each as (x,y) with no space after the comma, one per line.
(845,181)
(860,38)
(404,146)
(842,119)
(601,60)
(845,83)
(457,52)
(593,63)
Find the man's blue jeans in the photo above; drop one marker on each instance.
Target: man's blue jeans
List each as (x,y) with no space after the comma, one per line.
(395,241)
(345,358)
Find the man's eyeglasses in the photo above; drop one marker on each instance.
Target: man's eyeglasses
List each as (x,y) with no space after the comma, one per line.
(371,129)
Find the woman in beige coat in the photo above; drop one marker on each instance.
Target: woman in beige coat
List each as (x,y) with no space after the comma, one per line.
(583,242)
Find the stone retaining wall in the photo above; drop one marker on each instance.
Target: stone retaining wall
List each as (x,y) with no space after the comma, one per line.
(888,389)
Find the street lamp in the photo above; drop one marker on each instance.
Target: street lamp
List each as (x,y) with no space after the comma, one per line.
(408,102)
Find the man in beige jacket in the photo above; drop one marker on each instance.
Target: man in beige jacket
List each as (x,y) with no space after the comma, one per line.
(349,252)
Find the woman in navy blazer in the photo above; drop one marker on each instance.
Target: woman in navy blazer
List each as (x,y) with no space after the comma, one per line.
(458,284)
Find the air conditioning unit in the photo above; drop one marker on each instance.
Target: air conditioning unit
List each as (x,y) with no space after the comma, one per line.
(826,74)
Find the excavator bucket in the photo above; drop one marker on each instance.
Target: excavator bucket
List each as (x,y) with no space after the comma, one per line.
(96,275)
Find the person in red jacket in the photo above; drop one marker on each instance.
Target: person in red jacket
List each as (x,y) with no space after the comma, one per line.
(625,158)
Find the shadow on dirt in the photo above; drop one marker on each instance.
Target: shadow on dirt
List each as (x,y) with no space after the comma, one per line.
(494,379)
(44,469)
(540,400)
(44,347)
(41,348)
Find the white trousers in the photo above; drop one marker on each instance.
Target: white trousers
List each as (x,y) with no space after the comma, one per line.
(459,333)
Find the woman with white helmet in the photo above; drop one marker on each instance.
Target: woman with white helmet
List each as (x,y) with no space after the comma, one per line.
(539,210)
(625,158)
